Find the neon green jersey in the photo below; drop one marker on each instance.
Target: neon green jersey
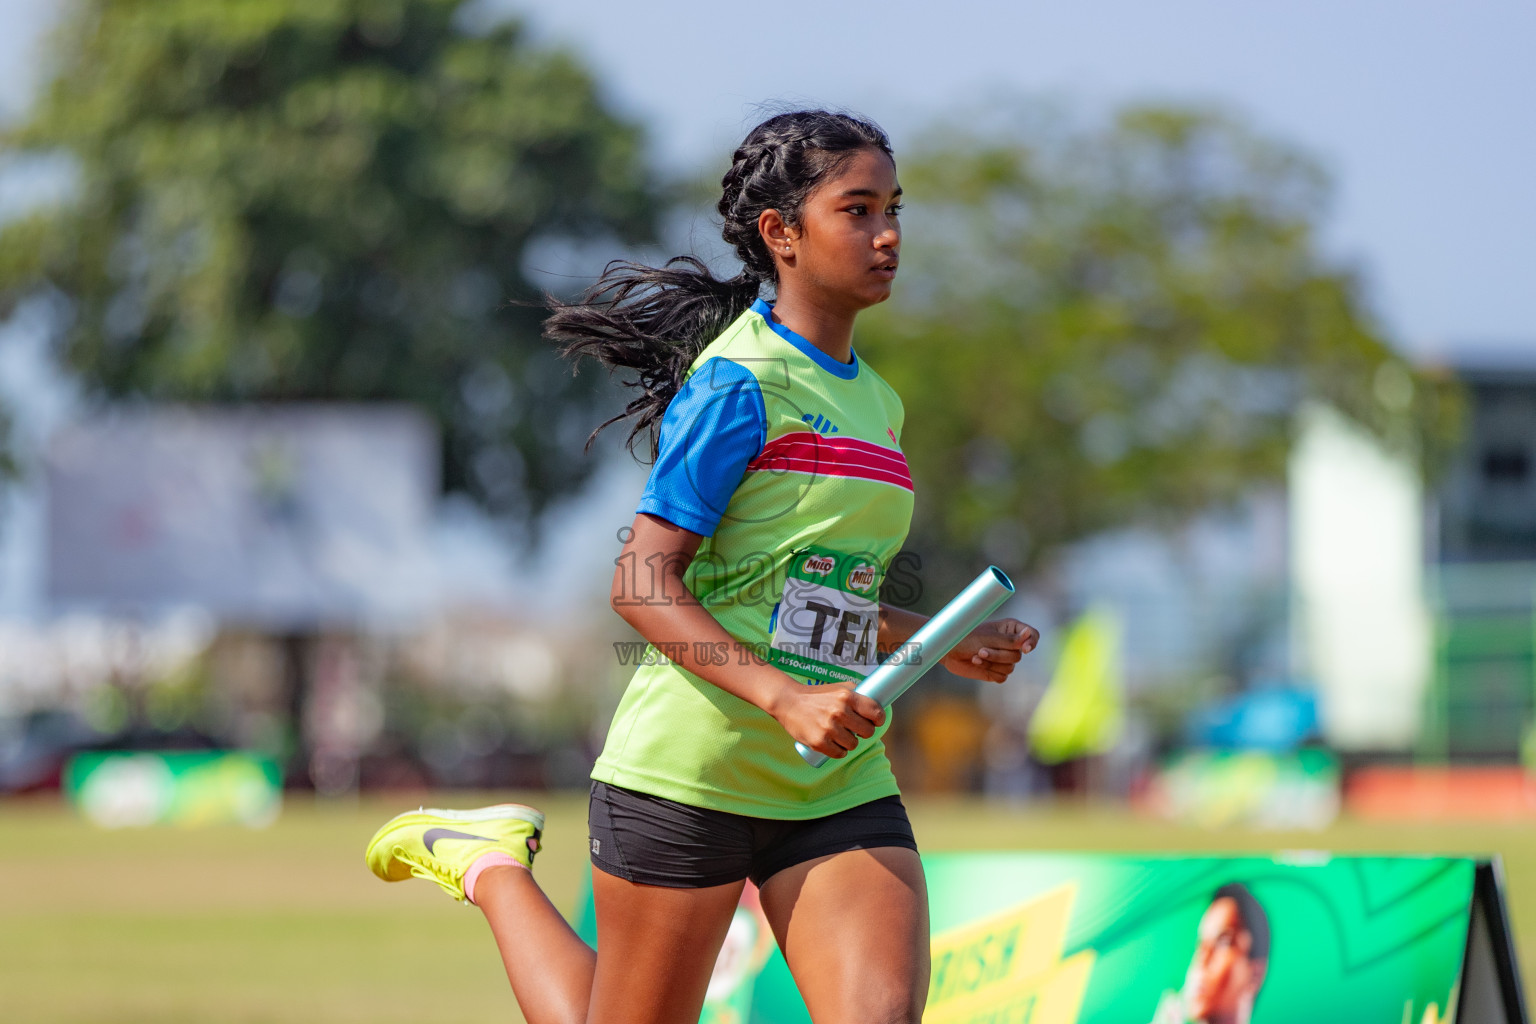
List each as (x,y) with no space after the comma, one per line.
(788,463)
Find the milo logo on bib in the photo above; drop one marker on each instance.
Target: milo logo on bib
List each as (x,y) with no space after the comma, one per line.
(818,565)
(826,622)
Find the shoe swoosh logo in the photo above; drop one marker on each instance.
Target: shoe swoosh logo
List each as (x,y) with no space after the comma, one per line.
(432,835)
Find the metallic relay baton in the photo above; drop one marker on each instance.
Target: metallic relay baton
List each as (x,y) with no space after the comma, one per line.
(928,646)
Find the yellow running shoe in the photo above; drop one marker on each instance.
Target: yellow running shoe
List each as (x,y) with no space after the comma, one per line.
(441,845)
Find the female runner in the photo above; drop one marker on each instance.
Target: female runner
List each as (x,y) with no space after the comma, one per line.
(777,499)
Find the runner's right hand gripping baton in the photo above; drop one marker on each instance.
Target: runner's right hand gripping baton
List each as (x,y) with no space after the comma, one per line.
(928,646)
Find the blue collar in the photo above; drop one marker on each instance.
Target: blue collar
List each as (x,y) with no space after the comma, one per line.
(847,371)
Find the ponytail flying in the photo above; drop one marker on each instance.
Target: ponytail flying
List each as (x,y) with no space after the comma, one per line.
(656,320)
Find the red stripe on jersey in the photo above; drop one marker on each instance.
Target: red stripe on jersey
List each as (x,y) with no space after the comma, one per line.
(805,451)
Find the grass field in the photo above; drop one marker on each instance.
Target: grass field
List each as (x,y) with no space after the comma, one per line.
(287,924)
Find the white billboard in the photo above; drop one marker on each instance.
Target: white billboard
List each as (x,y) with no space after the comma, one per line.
(285,516)
(1357,536)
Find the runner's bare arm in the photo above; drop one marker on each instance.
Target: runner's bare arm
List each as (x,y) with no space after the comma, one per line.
(896,626)
(649,594)
(989,652)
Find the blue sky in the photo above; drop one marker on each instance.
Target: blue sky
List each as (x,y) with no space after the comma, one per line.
(1421,110)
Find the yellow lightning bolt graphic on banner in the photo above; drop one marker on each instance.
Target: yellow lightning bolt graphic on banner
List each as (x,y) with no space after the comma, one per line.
(1008,968)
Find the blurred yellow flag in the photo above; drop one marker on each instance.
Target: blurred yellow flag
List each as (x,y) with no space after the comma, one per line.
(1082,710)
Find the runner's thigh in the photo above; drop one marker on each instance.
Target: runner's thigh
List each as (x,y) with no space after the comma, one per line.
(854,929)
(656,947)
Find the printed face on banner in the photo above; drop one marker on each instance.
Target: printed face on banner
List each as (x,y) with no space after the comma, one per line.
(1223,977)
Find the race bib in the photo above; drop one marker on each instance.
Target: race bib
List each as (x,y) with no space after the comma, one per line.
(826,622)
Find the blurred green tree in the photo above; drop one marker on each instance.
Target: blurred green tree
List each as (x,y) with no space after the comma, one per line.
(1113,324)
(284,200)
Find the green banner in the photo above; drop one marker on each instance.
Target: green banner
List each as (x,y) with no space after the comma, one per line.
(1022,938)
(120,789)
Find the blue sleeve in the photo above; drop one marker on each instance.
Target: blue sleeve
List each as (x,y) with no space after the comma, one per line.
(713,427)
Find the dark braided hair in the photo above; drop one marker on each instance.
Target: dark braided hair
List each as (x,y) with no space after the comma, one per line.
(656,320)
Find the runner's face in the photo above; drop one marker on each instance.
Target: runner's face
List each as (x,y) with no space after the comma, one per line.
(849,233)
(1220,972)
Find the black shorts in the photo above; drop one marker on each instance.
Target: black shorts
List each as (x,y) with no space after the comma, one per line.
(654,841)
